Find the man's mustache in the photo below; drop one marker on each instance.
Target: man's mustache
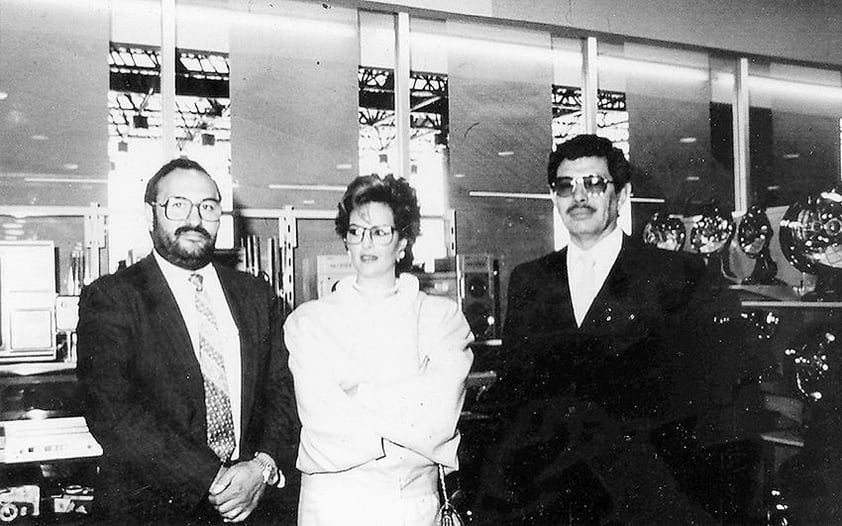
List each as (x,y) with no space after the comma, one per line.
(199,230)
(586,207)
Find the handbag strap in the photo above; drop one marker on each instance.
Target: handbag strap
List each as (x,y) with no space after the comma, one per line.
(445,496)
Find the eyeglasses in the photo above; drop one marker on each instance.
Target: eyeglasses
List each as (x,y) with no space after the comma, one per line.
(379,235)
(178,208)
(593,184)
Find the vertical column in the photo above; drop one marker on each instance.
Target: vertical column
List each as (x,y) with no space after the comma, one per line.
(288,241)
(402,94)
(590,97)
(742,168)
(168,79)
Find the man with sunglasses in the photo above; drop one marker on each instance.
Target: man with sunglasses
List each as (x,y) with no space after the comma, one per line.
(184,374)
(599,385)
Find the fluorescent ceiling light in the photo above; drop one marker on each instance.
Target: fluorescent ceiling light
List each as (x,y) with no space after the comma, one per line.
(70,180)
(505,50)
(645,67)
(3,95)
(505,154)
(795,88)
(281,23)
(310,187)
(687,140)
(509,195)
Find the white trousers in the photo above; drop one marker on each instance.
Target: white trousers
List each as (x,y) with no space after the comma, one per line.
(362,499)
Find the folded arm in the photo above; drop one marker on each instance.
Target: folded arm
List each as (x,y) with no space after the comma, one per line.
(420,412)
(337,433)
(345,425)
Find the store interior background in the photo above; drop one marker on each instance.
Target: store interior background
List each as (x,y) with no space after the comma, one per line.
(290,134)
(286,101)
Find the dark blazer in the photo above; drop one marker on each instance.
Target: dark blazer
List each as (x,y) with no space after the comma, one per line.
(144,396)
(597,420)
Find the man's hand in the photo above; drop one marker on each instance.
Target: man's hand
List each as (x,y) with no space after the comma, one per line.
(236,491)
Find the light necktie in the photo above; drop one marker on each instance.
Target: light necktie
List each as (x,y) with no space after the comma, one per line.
(220,422)
(585,288)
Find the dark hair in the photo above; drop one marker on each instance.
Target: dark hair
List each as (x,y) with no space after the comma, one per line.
(396,193)
(183,163)
(591,146)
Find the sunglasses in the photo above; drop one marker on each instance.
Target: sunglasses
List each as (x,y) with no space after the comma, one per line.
(593,184)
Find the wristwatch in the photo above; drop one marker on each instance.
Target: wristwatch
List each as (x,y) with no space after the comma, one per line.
(271,475)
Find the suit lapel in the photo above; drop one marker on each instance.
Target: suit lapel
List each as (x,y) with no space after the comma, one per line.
(558,287)
(614,290)
(164,310)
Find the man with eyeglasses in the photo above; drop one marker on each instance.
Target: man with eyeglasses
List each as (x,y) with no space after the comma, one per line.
(184,374)
(600,381)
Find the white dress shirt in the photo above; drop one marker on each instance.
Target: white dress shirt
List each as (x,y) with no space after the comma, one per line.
(178,280)
(585,282)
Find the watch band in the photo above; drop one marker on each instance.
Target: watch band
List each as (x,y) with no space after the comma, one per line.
(271,475)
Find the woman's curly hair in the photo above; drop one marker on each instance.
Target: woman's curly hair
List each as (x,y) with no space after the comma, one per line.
(397,194)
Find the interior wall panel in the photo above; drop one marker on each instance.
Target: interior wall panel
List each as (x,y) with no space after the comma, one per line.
(53,117)
(294,103)
(500,83)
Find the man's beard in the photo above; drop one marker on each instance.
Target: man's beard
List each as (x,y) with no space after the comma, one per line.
(170,249)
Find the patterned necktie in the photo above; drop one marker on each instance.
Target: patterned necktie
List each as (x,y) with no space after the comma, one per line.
(220,422)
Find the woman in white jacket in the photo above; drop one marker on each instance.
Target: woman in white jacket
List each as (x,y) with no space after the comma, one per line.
(379,370)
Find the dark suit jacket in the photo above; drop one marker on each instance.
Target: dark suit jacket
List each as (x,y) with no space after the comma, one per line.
(144,394)
(596,418)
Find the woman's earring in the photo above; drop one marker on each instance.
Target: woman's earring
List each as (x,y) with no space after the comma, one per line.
(401,255)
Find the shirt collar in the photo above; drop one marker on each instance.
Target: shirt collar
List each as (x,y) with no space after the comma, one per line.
(604,253)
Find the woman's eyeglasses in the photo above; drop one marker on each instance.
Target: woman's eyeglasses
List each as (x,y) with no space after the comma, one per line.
(593,184)
(379,235)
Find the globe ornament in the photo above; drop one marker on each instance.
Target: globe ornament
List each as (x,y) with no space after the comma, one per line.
(710,236)
(811,240)
(754,236)
(816,356)
(664,232)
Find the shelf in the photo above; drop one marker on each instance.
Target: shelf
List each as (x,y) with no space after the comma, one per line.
(775,304)
(778,297)
(772,292)
(34,368)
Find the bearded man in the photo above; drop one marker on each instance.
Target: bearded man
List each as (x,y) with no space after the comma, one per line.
(184,374)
